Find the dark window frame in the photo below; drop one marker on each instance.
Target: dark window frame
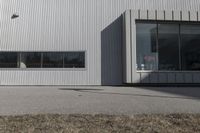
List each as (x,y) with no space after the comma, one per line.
(19,53)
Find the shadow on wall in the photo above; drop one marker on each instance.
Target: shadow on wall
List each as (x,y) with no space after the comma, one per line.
(111,53)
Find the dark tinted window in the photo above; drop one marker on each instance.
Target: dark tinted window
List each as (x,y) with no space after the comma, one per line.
(30,60)
(42,59)
(168,46)
(74,60)
(8,60)
(52,60)
(190,42)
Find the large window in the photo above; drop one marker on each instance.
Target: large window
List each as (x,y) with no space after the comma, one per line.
(167,46)
(27,60)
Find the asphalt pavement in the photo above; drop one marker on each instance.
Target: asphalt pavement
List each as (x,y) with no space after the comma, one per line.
(98,100)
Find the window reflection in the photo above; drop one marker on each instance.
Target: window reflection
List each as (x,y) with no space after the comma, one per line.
(190,40)
(168,40)
(74,60)
(146,47)
(30,60)
(42,60)
(168,46)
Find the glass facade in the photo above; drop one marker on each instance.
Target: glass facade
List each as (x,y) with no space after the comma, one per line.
(167,46)
(190,40)
(42,59)
(147,54)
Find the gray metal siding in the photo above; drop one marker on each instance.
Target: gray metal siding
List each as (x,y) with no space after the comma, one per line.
(72,25)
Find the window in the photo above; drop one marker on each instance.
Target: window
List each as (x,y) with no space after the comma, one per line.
(52,60)
(147,49)
(8,60)
(168,46)
(190,40)
(30,60)
(42,60)
(74,60)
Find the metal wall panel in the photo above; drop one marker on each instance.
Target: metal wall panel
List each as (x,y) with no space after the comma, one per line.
(171,77)
(145,78)
(188,78)
(153,77)
(180,77)
(163,78)
(72,25)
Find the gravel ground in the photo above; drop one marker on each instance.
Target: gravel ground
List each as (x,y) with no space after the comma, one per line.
(175,123)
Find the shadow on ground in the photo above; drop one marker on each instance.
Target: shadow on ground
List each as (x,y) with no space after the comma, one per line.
(193,92)
(175,91)
(80,89)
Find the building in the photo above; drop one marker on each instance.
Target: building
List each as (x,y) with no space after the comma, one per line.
(99,42)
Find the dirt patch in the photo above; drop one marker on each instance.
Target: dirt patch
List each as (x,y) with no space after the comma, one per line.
(176,123)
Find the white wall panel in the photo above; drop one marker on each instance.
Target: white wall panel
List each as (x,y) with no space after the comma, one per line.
(185,16)
(168,15)
(160,15)
(177,15)
(143,14)
(152,15)
(193,16)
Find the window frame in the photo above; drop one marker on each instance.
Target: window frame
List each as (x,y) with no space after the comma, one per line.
(180,51)
(41,68)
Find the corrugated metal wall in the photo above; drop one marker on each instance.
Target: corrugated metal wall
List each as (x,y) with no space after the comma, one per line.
(72,25)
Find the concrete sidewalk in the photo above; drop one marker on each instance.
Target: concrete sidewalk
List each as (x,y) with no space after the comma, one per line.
(95,100)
